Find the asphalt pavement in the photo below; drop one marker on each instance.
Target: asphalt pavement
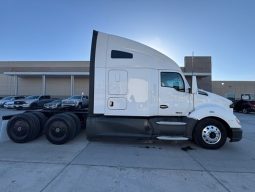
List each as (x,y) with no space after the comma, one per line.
(81,165)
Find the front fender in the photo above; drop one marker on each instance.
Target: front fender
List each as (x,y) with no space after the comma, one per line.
(207,110)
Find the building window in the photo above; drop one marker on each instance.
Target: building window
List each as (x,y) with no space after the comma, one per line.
(172,80)
(115,54)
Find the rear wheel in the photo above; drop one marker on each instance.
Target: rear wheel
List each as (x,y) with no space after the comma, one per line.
(37,128)
(22,128)
(42,119)
(77,121)
(80,106)
(210,134)
(245,111)
(60,128)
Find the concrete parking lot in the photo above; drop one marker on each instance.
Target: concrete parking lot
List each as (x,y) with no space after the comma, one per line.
(81,165)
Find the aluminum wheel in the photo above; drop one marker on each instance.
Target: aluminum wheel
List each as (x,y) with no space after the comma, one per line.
(211,134)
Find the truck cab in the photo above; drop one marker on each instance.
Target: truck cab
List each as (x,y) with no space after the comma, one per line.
(136,91)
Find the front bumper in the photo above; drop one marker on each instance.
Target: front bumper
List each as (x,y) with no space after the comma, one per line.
(9,106)
(51,107)
(236,134)
(21,106)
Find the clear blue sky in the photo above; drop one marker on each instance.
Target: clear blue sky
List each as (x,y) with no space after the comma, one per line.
(62,29)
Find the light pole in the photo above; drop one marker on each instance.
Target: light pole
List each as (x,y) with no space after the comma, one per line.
(222,84)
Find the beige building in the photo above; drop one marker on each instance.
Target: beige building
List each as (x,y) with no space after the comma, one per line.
(56,78)
(234,89)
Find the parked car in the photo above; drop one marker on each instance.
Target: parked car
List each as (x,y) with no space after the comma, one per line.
(4,100)
(78,101)
(32,102)
(10,104)
(56,104)
(8,99)
(244,106)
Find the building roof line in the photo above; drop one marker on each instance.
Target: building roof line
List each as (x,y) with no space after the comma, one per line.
(46,73)
(78,73)
(197,74)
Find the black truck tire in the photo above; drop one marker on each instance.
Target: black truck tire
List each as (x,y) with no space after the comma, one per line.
(77,121)
(37,128)
(59,129)
(210,133)
(41,117)
(22,128)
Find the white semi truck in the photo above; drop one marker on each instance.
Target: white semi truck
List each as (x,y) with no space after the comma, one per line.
(135,91)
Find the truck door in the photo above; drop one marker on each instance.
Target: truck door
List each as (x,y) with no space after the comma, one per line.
(173,100)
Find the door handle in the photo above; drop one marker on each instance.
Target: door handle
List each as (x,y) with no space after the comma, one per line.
(163,106)
(111,104)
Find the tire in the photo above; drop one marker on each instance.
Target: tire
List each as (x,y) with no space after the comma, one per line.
(42,119)
(22,128)
(79,106)
(73,125)
(36,128)
(33,106)
(245,111)
(59,129)
(210,134)
(19,108)
(77,121)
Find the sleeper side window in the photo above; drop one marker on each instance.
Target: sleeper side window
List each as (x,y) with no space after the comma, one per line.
(116,54)
(172,80)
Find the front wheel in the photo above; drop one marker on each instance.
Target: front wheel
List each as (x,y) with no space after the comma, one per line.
(210,134)
(79,106)
(33,106)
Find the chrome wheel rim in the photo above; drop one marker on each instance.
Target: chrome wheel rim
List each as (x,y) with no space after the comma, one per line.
(211,134)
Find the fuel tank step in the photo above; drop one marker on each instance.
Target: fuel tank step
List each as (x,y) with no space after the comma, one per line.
(172,138)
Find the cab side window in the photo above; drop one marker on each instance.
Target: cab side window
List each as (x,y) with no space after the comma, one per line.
(172,80)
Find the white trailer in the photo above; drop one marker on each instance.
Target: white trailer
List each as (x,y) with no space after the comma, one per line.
(135,91)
